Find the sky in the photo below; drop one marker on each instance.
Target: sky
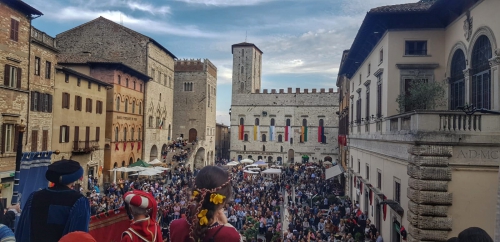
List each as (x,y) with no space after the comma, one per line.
(302,40)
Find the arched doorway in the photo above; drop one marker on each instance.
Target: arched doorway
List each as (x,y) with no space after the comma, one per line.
(192,135)
(199,159)
(154,153)
(279,160)
(269,159)
(259,157)
(164,151)
(328,158)
(131,161)
(291,155)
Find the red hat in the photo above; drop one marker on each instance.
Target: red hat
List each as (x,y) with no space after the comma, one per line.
(142,199)
(77,236)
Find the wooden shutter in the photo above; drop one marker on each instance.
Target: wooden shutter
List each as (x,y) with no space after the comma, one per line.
(64,100)
(67,133)
(49,108)
(2,142)
(34,140)
(90,105)
(12,29)
(76,102)
(19,71)
(32,102)
(60,134)
(41,102)
(45,140)
(16,138)
(77,133)
(6,75)
(97,133)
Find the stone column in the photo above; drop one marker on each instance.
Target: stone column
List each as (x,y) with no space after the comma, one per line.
(467,86)
(428,193)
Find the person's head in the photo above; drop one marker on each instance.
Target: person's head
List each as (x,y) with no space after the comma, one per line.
(474,234)
(64,172)
(141,204)
(212,190)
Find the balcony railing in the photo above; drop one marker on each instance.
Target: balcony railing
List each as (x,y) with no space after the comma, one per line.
(85,146)
(443,121)
(43,37)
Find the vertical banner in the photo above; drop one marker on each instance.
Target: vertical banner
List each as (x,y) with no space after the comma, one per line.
(241,131)
(323,137)
(320,134)
(272,133)
(304,133)
(287,133)
(256,132)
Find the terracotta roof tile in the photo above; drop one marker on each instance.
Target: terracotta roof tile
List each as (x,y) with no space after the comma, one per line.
(421,6)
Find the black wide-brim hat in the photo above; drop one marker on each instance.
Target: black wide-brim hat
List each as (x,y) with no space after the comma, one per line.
(64,172)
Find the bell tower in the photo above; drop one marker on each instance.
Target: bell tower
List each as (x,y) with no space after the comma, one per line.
(247,68)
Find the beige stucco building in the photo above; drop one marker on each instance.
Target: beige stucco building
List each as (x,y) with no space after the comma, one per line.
(434,171)
(79,120)
(276,125)
(142,53)
(195,107)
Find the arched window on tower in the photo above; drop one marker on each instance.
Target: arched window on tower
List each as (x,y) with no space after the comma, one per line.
(117,103)
(242,69)
(126,105)
(263,148)
(244,148)
(263,137)
(257,121)
(245,137)
(132,134)
(242,121)
(133,106)
(272,122)
(125,134)
(280,138)
(116,134)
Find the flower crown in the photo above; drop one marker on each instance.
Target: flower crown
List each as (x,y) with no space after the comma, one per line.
(215,198)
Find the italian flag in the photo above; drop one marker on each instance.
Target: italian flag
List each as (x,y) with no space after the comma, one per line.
(288,132)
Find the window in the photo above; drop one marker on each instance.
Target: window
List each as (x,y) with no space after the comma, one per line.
(132,134)
(367,109)
(263,148)
(244,148)
(150,123)
(134,85)
(369,69)
(358,110)
(280,138)
(46,103)
(65,100)
(367,172)
(153,73)
(88,105)
(45,140)
(188,86)
(359,166)
(133,106)
(379,179)
(117,103)
(89,84)
(66,78)
(257,121)
(98,88)
(140,87)
(457,86)
(78,103)
(245,137)
(12,76)
(34,140)
(140,108)
(97,133)
(14,29)
(98,107)
(126,104)
(263,137)
(381,56)
(119,80)
(48,69)
(78,81)
(359,79)
(158,122)
(116,134)
(35,101)
(37,66)
(397,190)
(170,81)
(379,96)
(125,134)
(481,73)
(416,47)
(126,82)
(63,134)
(8,138)
(242,69)
(77,134)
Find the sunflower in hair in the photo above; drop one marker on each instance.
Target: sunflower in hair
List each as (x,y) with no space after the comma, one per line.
(203,217)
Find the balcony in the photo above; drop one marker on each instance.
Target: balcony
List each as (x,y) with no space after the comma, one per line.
(85,146)
(42,37)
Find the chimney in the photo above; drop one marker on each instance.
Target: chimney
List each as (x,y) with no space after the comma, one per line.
(330,90)
(257,90)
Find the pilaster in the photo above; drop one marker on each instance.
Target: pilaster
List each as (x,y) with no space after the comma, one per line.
(428,193)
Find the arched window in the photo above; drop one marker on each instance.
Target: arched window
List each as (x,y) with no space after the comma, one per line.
(126,105)
(457,84)
(245,137)
(140,107)
(118,104)
(272,122)
(126,82)
(304,122)
(242,86)
(263,148)
(125,134)
(263,137)
(119,80)
(150,123)
(242,121)
(139,134)
(160,97)
(288,122)
(257,121)
(280,138)
(242,69)
(133,106)
(244,148)
(132,134)
(116,134)
(481,73)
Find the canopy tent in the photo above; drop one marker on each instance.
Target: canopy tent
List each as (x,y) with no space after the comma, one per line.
(260,163)
(272,171)
(250,172)
(119,169)
(233,163)
(254,169)
(247,161)
(327,163)
(155,162)
(148,172)
(161,168)
(333,172)
(253,165)
(275,166)
(139,163)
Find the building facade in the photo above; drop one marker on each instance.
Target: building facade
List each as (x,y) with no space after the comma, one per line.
(343,116)
(222,142)
(144,54)
(195,106)
(431,171)
(14,84)
(79,120)
(278,126)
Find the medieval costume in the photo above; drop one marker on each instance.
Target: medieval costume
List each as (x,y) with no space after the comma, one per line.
(51,213)
(142,229)
(180,228)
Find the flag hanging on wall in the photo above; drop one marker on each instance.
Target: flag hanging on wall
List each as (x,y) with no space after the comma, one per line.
(256,132)
(288,132)
(241,132)
(303,134)
(320,134)
(272,133)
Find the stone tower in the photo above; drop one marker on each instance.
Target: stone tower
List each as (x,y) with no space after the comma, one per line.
(247,68)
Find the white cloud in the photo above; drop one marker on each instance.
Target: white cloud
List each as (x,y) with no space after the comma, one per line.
(148,8)
(226,3)
(223,117)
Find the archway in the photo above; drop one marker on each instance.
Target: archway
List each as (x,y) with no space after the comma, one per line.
(154,153)
(328,158)
(164,151)
(199,159)
(291,155)
(131,161)
(259,157)
(269,159)
(192,135)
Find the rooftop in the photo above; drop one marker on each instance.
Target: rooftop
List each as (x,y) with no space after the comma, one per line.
(245,44)
(23,7)
(420,6)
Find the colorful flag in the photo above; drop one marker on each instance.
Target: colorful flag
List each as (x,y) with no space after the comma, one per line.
(303,134)
(241,131)
(272,133)
(320,134)
(288,132)
(256,132)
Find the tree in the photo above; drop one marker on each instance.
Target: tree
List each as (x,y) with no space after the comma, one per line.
(421,94)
